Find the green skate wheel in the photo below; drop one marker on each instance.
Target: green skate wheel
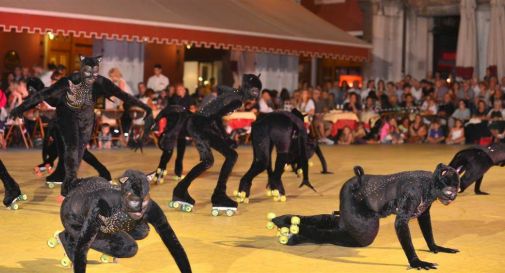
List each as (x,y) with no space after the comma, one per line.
(50,185)
(270,225)
(52,242)
(104,258)
(230,213)
(158,171)
(295,220)
(284,231)
(294,229)
(300,171)
(269,193)
(214,212)
(175,204)
(65,261)
(270,216)
(283,239)
(187,208)
(14,206)
(171,204)
(23,197)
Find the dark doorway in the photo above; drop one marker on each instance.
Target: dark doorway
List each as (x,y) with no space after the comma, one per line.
(445,42)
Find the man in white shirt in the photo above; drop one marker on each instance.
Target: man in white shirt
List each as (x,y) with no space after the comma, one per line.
(264,102)
(158,81)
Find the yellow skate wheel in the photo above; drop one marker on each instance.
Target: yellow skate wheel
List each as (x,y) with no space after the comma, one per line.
(187,208)
(175,204)
(50,185)
(276,199)
(65,261)
(14,206)
(242,194)
(285,231)
(294,229)
(283,239)
(214,212)
(235,193)
(282,198)
(270,225)
(269,193)
(165,172)
(270,216)
(158,171)
(52,242)
(295,220)
(230,213)
(300,171)
(104,258)
(275,193)
(155,178)
(23,197)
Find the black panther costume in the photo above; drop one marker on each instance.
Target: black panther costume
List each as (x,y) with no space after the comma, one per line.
(109,218)
(50,153)
(476,161)
(174,133)
(206,129)
(12,191)
(74,98)
(364,199)
(284,130)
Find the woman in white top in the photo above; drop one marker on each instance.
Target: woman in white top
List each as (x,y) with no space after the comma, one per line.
(457,134)
(306,104)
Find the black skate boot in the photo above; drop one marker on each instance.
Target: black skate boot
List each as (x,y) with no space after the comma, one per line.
(12,196)
(222,203)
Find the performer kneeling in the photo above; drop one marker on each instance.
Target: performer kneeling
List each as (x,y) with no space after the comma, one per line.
(364,199)
(109,218)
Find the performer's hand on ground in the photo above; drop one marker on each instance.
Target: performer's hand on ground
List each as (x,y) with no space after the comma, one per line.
(436,249)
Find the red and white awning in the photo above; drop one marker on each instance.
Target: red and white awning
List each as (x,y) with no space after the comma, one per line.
(279,26)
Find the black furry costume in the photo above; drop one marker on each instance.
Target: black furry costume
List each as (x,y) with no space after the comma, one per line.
(12,191)
(109,218)
(286,132)
(206,129)
(364,199)
(476,161)
(74,98)
(50,148)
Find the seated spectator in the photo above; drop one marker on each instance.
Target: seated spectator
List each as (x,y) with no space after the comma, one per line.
(408,102)
(404,129)
(461,113)
(418,130)
(353,104)
(446,109)
(394,104)
(346,136)
(286,103)
(359,134)
(306,104)
(497,113)
(457,134)
(429,107)
(105,137)
(389,133)
(465,93)
(483,93)
(435,134)
(369,111)
(481,111)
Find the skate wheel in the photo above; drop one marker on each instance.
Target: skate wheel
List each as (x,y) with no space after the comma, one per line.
(294,229)
(176,178)
(161,181)
(270,216)
(311,164)
(104,258)
(284,231)
(158,171)
(14,206)
(283,198)
(214,212)
(230,213)
(283,239)
(300,171)
(275,193)
(270,225)
(295,220)
(269,193)
(23,197)
(52,242)
(50,185)
(175,205)
(187,208)
(235,193)
(276,199)
(155,178)
(165,172)
(65,261)
(278,233)
(242,194)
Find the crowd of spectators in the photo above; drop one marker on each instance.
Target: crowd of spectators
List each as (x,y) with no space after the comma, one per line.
(432,110)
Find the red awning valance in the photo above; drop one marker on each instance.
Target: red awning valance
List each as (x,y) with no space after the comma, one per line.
(266,34)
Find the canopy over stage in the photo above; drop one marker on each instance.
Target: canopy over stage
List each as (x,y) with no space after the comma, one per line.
(281,26)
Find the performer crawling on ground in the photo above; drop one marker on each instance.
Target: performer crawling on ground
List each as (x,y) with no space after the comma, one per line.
(286,132)
(476,161)
(109,218)
(12,191)
(206,129)
(74,98)
(364,199)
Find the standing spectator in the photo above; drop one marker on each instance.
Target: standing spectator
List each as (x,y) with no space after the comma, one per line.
(158,81)
(181,97)
(457,134)
(46,76)
(141,90)
(265,102)
(416,90)
(464,93)
(369,90)
(338,93)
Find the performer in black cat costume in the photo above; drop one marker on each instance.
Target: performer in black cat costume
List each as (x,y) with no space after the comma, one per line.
(476,161)
(206,129)
(364,199)
(285,131)
(74,98)
(109,218)
(12,191)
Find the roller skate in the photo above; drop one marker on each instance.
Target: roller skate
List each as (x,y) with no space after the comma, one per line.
(278,196)
(56,240)
(184,203)
(11,200)
(107,259)
(52,184)
(159,177)
(287,227)
(178,178)
(222,203)
(242,196)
